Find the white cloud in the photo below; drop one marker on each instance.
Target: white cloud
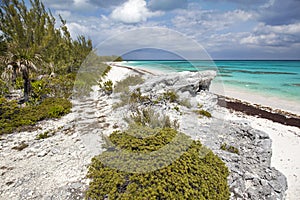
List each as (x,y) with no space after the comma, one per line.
(64,13)
(167,4)
(280,35)
(133,11)
(71,5)
(200,22)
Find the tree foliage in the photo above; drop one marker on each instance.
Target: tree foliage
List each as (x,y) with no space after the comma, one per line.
(30,40)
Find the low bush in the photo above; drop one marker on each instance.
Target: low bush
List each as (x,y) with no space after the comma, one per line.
(229,148)
(196,174)
(3,88)
(14,118)
(123,85)
(108,87)
(39,90)
(148,117)
(203,113)
(170,96)
(132,98)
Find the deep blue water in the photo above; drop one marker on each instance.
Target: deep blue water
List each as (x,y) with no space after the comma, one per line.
(273,78)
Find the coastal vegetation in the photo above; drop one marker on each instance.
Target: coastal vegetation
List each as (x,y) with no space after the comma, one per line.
(41,61)
(38,58)
(123,85)
(16,118)
(196,174)
(151,159)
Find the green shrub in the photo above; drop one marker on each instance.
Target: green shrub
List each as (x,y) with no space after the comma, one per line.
(21,146)
(106,71)
(170,96)
(142,139)
(123,85)
(3,88)
(62,86)
(108,87)
(137,97)
(132,98)
(196,174)
(176,108)
(203,113)
(39,90)
(14,118)
(148,117)
(229,148)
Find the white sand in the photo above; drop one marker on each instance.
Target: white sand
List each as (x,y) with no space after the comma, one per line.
(285,139)
(285,151)
(254,98)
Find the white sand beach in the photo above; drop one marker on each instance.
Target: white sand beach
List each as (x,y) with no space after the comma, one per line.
(255,98)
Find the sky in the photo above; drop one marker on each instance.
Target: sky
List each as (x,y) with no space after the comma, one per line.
(226,29)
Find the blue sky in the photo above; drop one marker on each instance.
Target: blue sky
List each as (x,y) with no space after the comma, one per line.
(227,29)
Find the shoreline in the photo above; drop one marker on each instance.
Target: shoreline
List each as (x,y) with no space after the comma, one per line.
(271,103)
(279,116)
(285,138)
(288,110)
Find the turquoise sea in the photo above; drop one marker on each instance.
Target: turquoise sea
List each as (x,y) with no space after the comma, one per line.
(272,78)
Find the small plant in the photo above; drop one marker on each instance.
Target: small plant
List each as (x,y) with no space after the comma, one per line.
(106,71)
(176,108)
(123,85)
(171,96)
(21,146)
(186,103)
(203,113)
(108,87)
(42,136)
(148,117)
(199,105)
(3,88)
(229,148)
(39,90)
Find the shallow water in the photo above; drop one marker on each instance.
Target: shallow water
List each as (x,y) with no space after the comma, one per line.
(270,78)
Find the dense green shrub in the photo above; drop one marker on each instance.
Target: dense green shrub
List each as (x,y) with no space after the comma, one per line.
(39,90)
(3,88)
(61,86)
(13,117)
(196,174)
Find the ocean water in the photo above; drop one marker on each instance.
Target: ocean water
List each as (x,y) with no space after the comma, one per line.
(270,78)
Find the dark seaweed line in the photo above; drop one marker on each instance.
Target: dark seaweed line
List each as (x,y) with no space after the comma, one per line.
(253,110)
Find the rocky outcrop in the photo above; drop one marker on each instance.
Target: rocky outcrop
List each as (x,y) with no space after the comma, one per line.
(251,174)
(191,82)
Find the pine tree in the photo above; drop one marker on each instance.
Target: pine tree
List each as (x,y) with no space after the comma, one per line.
(32,43)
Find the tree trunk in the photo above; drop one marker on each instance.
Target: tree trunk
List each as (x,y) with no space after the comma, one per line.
(27,85)
(14,74)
